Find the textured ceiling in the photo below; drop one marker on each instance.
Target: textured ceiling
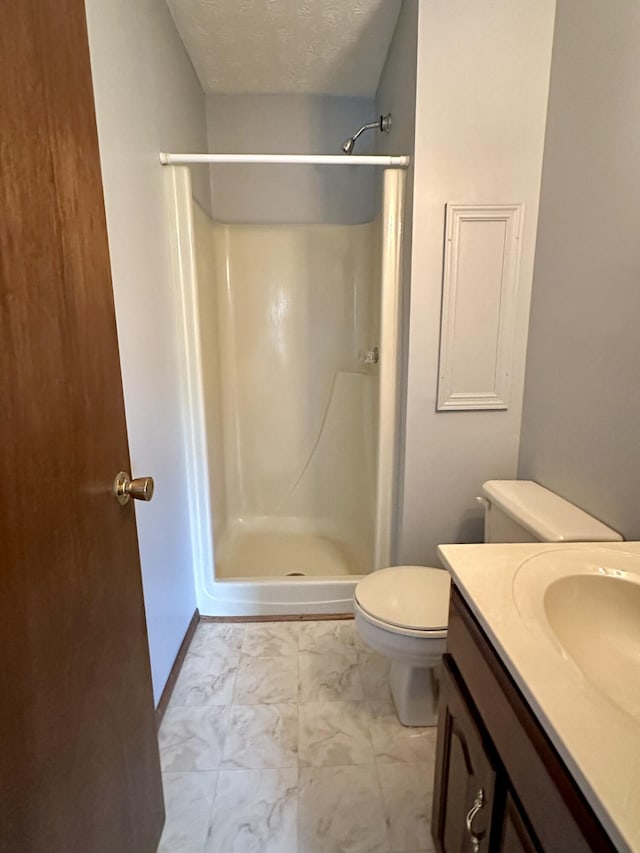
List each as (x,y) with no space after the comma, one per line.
(321,47)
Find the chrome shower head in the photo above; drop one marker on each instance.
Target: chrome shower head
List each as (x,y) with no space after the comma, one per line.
(347,145)
(383,125)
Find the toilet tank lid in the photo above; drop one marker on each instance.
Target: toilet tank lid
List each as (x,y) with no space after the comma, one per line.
(546,515)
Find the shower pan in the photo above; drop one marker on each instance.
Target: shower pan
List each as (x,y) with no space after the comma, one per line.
(290,336)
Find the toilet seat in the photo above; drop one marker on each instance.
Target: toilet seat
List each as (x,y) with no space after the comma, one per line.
(423,633)
(409,600)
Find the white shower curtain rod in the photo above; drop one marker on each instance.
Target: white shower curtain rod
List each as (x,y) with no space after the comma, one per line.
(293,159)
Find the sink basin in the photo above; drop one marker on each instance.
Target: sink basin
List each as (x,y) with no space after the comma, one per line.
(596,619)
(587,602)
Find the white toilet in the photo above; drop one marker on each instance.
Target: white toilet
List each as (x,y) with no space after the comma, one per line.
(402,611)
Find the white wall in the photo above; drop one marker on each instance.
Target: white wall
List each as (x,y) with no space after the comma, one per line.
(582,408)
(483,74)
(285,124)
(397,88)
(148,99)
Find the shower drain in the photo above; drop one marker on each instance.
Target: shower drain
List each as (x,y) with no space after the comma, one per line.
(295,575)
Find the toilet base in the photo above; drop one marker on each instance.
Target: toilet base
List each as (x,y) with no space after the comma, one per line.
(415,693)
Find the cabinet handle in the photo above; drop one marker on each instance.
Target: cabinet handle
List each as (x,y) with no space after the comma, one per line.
(478,803)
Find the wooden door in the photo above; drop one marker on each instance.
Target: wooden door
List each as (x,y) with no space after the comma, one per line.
(79,767)
(464,800)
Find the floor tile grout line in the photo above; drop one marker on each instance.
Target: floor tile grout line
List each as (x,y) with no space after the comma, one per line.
(210,814)
(385,811)
(359,674)
(256,769)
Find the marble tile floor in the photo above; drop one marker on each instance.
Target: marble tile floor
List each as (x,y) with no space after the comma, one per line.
(281,738)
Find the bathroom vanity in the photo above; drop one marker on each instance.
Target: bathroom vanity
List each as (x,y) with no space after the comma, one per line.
(533,753)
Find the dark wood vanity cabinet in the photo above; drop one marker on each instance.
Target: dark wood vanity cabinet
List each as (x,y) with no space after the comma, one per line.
(500,784)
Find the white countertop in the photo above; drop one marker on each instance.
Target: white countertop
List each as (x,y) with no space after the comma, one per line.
(598,741)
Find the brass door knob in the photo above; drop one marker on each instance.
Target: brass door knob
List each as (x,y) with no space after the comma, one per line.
(124,488)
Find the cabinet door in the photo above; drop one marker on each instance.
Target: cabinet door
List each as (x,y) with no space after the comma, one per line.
(464,800)
(516,836)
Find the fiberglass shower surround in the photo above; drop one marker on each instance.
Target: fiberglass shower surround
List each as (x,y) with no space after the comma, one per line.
(292,416)
(294,309)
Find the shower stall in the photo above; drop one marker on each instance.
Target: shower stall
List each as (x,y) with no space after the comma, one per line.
(290,357)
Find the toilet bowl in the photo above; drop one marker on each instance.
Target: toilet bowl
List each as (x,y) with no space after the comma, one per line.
(402,612)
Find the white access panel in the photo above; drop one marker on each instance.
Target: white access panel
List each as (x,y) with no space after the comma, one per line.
(481,260)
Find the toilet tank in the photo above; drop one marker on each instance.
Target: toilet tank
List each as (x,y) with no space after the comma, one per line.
(523,511)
